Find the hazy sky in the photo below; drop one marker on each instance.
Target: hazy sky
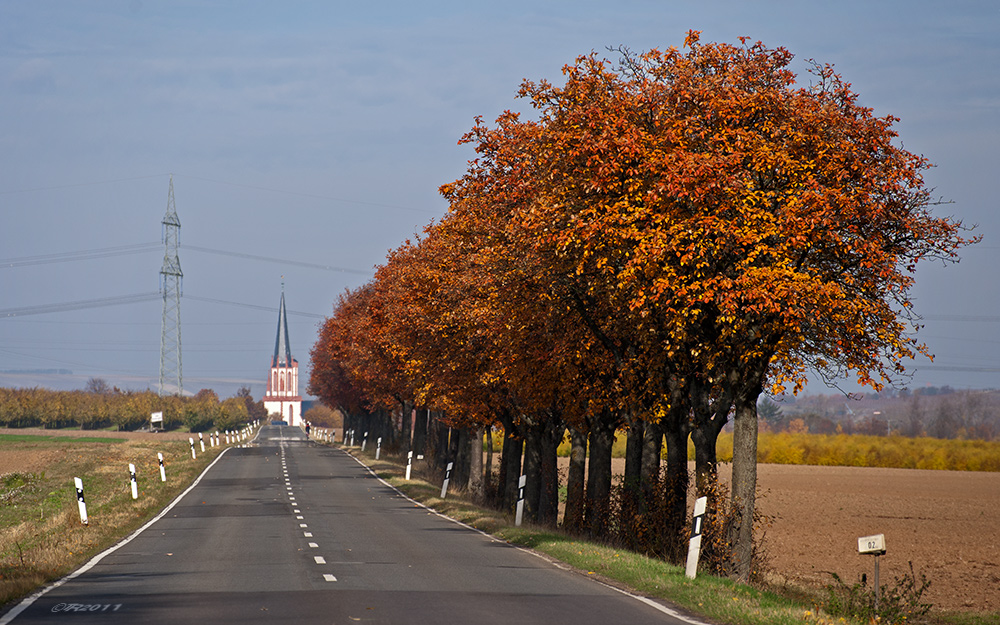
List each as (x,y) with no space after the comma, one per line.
(319,132)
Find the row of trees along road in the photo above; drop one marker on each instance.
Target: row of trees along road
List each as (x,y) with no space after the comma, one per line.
(672,235)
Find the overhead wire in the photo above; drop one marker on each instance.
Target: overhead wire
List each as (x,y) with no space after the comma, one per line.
(271,309)
(271,259)
(80,304)
(65,257)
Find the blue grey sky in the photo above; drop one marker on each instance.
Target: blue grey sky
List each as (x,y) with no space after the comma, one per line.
(319,132)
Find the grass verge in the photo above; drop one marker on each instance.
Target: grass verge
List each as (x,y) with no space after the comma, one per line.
(41,536)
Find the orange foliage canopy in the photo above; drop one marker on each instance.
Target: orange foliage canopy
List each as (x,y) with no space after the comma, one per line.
(687,212)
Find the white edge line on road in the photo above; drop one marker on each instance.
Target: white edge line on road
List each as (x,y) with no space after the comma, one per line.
(650,602)
(26,603)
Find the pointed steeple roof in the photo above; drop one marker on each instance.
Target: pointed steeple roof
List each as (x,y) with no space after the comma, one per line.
(282,351)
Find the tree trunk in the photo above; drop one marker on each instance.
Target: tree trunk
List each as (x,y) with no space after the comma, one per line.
(420,432)
(598,504)
(442,450)
(505,450)
(573,515)
(652,444)
(633,449)
(532,471)
(405,431)
(631,488)
(489,486)
(705,461)
(475,454)
(548,499)
(744,486)
(512,448)
(463,462)
(675,484)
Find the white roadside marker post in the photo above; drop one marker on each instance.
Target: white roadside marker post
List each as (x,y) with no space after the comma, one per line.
(447,478)
(873,545)
(378,447)
(409,464)
(352,438)
(520,500)
(694,547)
(163,473)
(131,476)
(364,441)
(201,439)
(191,440)
(80,502)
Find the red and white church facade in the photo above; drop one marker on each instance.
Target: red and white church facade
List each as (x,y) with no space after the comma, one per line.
(282,399)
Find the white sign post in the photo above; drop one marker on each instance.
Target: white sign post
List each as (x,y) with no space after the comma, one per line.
(131,475)
(873,545)
(694,546)
(156,418)
(80,501)
(163,473)
(447,478)
(520,500)
(409,464)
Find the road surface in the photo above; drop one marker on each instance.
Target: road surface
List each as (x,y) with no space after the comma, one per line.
(290,531)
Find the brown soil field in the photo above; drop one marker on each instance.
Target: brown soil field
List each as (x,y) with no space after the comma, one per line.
(946,522)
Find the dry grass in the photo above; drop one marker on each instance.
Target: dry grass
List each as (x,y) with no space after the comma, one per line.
(41,536)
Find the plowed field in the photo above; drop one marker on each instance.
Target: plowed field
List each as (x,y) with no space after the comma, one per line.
(946,522)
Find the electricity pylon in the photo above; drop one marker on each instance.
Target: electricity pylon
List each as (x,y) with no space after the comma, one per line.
(171,285)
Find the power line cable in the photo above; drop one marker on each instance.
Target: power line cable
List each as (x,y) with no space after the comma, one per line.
(254,306)
(64,257)
(281,261)
(79,305)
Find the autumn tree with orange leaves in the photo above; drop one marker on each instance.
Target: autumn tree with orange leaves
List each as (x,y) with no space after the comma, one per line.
(673,235)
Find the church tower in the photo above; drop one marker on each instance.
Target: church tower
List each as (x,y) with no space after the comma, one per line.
(282,399)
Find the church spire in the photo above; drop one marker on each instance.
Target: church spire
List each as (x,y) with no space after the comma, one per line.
(282,399)
(282,351)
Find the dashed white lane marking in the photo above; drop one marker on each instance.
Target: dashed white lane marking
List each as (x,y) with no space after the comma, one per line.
(319,559)
(307,534)
(295,511)
(303,525)
(314,545)
(299,517)
(329,578)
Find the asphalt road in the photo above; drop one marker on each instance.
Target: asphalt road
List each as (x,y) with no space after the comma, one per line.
(290,531)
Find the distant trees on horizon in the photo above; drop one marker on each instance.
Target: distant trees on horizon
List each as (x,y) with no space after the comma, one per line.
(935,412)
(101,406)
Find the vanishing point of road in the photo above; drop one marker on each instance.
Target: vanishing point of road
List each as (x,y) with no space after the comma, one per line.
(290,531)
